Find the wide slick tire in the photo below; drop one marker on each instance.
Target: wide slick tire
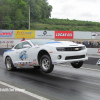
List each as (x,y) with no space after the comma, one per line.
(46,64)
(9,65)
(77,64)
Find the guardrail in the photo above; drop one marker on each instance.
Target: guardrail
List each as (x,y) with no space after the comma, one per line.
(93,51)
(2,50)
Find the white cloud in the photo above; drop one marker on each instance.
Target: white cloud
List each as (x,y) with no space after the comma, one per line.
(88,10)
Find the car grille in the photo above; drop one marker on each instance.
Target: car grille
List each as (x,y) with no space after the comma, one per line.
(70,48)
(73,48)
(74,57)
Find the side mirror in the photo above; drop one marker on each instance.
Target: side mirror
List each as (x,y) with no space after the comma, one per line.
(26,46)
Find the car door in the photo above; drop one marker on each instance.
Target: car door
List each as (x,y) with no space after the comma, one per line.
(26,56)
(20,54)
(29,50)
(31,53)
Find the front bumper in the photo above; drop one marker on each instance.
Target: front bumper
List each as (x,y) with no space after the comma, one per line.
(69,56)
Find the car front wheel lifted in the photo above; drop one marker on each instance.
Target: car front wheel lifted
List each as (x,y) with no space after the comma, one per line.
(77,64)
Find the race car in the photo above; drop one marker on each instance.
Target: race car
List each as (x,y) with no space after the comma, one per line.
(44,54)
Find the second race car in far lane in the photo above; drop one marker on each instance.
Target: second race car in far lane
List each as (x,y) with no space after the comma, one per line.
(44,54)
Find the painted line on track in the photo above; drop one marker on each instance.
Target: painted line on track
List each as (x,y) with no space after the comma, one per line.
(91,69)
(24,92)
(82,68)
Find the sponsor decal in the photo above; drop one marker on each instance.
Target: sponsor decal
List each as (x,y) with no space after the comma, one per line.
(7,42)
(5,34)
(98,51)
(23,55)
(15,64)
(25,33)
(54,62)
(45,34)
(98,62)
(95,35)
(63,34)
(98,34)
(30,64)
(25,63)
(3,42)
(19,65)
(11,41)
(34,62)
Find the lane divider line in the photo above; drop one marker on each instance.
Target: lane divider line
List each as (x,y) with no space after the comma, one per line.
(90,69)
(24,92)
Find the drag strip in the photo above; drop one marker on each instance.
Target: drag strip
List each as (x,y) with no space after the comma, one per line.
(62,84)
(91,61)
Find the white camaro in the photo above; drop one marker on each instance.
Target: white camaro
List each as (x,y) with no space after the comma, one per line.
(44,54)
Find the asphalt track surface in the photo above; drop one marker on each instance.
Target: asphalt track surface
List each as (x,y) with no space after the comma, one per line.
(64,83)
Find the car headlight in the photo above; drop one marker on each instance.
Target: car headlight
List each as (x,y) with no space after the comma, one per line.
(84,47)
(60,49)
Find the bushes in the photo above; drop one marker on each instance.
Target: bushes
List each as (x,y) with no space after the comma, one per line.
(66,25)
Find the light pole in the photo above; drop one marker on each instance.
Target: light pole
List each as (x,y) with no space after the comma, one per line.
(29,17)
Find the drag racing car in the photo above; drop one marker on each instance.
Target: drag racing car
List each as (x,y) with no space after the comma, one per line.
(44,54)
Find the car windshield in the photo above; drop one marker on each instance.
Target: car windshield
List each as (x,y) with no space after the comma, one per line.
(41,42)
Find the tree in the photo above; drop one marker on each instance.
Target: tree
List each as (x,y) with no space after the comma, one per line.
(19,14)
(14,14)
(8,23)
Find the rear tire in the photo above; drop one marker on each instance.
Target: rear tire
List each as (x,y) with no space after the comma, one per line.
(77,64)
(9,64)
(46,64)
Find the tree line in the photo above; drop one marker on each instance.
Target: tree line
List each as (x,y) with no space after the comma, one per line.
(14,14)
(65,25)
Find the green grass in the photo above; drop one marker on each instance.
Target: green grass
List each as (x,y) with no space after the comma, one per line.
(42,26)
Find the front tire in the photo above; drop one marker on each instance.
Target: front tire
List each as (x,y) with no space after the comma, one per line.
(9,64)
(77,64)
(46,64)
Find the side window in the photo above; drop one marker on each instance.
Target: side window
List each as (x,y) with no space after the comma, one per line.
(18,46)
(24,43)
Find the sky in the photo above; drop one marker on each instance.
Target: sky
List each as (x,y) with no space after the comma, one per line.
(85,10)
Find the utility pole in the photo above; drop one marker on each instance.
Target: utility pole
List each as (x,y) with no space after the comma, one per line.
(29,17)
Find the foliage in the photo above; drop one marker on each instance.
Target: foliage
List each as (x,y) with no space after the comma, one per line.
(65,25)
(14,14)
